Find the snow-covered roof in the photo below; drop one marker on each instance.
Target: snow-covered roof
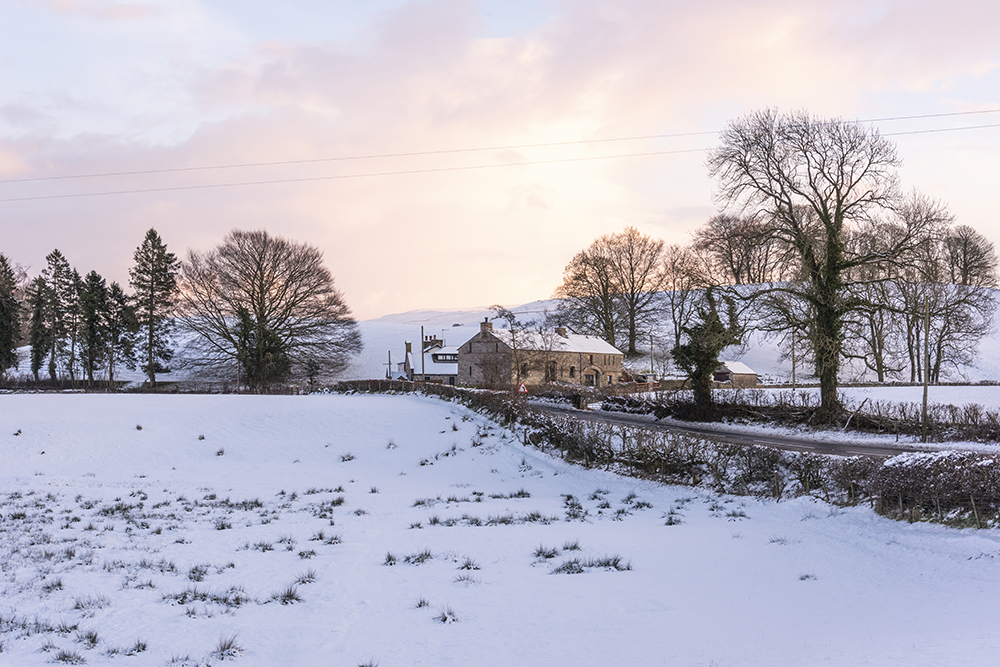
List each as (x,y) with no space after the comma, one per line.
(533,340)
(737,367)
(431,367)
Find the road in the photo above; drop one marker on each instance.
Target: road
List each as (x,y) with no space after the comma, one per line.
(790,443)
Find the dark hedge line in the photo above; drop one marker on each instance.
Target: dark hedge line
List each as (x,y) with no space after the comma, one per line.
(970,422)
(958,488)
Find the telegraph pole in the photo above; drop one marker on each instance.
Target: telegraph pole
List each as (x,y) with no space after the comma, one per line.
(927,359)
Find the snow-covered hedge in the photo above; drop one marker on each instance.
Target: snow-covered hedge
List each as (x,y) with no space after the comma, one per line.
(957,487)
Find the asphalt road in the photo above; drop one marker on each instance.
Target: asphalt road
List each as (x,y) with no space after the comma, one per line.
(842,448)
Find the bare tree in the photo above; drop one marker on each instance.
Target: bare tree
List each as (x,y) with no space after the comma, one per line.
(815,180)
(638,269)
(742,251)
(267,306)
(684,275)
(589,292)
(611,287)
(970,257)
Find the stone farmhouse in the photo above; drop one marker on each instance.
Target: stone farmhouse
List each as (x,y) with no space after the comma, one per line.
(500,357)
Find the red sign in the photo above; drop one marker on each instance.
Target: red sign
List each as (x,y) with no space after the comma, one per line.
(522,389)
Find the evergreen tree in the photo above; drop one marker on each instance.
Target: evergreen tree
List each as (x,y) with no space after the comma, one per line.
(154,281)
(10,317)
(58,277)
(37,304)
(71,303)
(121,332)
(707,337)
(93,327)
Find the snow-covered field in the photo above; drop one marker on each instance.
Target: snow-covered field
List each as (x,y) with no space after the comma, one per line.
(270,520)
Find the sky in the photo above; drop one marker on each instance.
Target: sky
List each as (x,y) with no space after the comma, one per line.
(408,131)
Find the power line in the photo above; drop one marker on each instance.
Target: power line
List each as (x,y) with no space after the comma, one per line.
(942,129)
(452,151)
(352,157)
(345,176)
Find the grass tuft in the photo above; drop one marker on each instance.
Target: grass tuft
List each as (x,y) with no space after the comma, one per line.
(71,657)
(307,577)
(288,595)
(545,553)
(446,615)
(227,648)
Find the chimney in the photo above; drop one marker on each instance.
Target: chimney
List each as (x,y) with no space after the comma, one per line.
(485,326)
(409,347)
(432,341)
(561,331)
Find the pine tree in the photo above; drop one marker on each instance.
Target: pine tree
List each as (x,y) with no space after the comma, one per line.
(121,332)
(71,304)
(154,281)
(10,317)
(93,323)
(58,276)
(37,304)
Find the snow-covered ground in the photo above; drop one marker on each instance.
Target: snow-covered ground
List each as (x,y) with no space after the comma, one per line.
(202,524)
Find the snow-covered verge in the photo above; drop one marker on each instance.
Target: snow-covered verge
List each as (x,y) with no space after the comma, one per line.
(271,520)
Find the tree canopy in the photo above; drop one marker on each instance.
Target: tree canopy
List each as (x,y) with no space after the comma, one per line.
(266,307)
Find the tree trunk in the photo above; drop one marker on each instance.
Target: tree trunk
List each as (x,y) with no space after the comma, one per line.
(828,348)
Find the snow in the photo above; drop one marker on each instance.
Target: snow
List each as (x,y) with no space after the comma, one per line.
(737,582)
(737,367)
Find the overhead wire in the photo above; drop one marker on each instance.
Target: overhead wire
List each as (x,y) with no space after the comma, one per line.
(206,186)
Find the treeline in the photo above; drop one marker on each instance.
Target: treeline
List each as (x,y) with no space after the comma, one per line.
(815,246)
(255,311)
(81,329)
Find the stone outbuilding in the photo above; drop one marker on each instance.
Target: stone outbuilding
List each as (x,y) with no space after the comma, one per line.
(500,357)
(736,374)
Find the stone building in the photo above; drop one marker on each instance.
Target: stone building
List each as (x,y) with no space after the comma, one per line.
(736,374)
(436,362)
(500,357)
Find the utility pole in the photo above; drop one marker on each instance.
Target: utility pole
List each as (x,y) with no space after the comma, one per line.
(927,359)
(793,359)
(423,376)
(652,370)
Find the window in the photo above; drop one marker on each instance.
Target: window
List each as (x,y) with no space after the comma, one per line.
(572,371)
(524,369)
(591,359)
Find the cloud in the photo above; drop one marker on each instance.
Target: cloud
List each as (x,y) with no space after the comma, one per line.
(108,11)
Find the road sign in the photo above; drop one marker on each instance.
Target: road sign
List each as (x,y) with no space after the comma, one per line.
(522,389)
